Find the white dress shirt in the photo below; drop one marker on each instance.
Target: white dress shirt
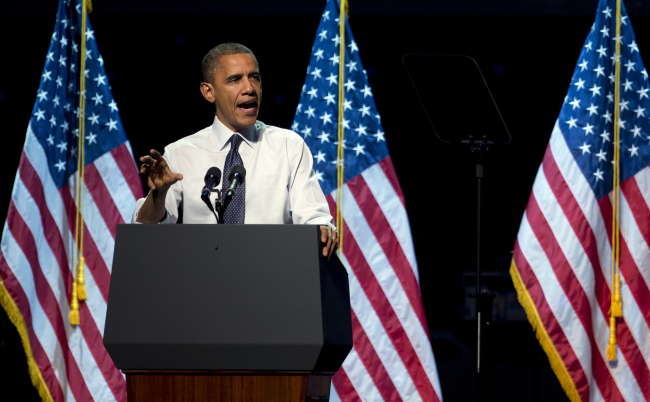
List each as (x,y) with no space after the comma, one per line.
(281,186)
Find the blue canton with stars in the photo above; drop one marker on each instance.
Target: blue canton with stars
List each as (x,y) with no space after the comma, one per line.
(55,118)
(587,116)
(317,113)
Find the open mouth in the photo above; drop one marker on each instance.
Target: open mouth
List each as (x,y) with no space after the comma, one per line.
(248,106)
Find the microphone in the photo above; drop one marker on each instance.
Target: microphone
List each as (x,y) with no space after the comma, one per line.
(212,179)
(237,175)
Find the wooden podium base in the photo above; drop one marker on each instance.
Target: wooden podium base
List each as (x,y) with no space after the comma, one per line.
(227,386)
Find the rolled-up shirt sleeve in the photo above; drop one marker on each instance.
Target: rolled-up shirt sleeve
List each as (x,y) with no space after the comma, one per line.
(308,203)
(172,201)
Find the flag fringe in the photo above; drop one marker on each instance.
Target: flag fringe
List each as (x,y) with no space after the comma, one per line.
(557,364)
(17,319)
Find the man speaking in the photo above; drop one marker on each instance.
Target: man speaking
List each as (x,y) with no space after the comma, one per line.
(280,185)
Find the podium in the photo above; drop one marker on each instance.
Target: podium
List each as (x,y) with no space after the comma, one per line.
(226,313)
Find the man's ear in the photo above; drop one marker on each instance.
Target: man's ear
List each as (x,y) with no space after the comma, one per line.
(208,91)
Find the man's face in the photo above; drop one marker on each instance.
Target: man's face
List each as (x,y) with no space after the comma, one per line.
(237,91)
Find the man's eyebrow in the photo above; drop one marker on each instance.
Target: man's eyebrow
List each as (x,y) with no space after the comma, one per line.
(236,76)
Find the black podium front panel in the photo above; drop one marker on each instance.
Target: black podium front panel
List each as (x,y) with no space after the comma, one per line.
(226,297)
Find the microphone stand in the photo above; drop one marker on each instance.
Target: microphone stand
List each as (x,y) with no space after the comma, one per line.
(219,205)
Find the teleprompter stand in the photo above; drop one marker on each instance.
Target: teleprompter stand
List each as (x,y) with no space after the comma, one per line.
(226,313)
(461,110)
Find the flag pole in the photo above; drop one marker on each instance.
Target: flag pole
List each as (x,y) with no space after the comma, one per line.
(341,130)
(616,309)
(78,282)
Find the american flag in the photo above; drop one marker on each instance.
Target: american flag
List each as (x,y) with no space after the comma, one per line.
(392,358)
(36,253)
(562,258)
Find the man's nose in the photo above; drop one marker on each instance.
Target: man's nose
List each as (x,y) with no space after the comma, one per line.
(248,89)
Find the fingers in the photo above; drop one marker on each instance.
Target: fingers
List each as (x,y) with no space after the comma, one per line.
(151,160)
(335,245)
(174,177)
(330,238)
(323,233)
(330,246)
(155,166)
(325,237)
(156,155)
(147,163)
(151,184)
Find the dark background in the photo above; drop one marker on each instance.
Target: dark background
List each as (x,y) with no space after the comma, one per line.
(527,51)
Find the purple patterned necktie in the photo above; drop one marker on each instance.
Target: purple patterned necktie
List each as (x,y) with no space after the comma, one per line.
(235,210)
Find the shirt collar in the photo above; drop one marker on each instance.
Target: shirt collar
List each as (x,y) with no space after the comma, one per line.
(222,134)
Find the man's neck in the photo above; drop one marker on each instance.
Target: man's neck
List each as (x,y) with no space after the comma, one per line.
(231,127)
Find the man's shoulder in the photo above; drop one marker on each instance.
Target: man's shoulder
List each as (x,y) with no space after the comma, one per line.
(196,140)
(273,132)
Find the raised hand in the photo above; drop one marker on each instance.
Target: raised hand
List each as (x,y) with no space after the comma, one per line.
(159,175)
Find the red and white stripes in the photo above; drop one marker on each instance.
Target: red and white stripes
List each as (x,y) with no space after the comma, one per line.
(392,358)
(36,267)
(563,255)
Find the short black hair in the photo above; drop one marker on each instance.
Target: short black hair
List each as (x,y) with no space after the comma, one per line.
(210,62)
